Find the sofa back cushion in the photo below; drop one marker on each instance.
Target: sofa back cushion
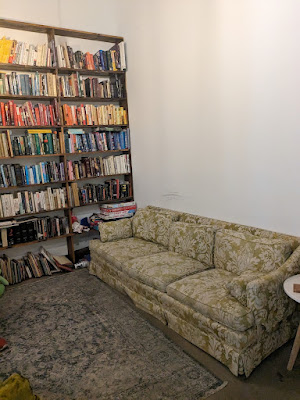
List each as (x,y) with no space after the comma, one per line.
(242,252)
(193,240)
(152,225)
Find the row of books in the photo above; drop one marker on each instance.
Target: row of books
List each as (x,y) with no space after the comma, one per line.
(109,60)
(75,86)
(30,229)
(76,140)
(43,172)
(31,84)
(25,202)
(35,142)
(17,52)
(89,194)
(33,266)
(29,115)
(89,167)
(116,211)
(89,114)
(29,266)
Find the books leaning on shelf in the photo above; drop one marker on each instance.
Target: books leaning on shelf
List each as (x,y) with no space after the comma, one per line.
(25,202)
(5,144)
(29,229)
(89,194)
(76,140)
(116,211)
(36,142)
(16,52)
(109,60)
(33,84)
(30,266)
(75,85)
(43,172)
(89,167)
(29,115)
(89,114)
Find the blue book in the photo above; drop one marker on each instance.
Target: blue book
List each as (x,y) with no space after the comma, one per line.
(3,176)
(34,174)
(26,175)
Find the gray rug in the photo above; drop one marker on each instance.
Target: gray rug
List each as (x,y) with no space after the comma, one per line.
(74,337)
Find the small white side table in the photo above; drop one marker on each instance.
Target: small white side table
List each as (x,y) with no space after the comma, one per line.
(288,288)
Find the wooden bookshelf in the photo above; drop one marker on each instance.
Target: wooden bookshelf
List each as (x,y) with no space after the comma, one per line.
(52,33)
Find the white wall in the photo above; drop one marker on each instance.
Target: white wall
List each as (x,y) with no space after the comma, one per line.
(214,108)
(213,98)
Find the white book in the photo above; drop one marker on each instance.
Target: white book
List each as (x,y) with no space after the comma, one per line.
(122,56)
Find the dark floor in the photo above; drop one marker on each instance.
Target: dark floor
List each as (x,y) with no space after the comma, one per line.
(269,381)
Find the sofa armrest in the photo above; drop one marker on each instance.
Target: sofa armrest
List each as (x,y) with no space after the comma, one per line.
(115,230)
(266,297)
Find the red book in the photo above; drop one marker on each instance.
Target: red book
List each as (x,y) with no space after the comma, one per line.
(11,111)
(37,115)
(51,115)
(3,114)
(16,119)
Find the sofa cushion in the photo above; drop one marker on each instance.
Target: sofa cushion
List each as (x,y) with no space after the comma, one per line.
(119,251)
(206,293)
(192,240)
(115,230)
(152,225)
(159,270)
(241,252)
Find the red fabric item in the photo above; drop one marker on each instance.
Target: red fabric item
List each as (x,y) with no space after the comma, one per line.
(3,344)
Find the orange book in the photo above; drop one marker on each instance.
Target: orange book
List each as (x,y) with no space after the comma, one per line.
(3,114)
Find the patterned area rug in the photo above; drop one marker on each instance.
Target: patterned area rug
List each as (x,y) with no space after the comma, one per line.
(74,337)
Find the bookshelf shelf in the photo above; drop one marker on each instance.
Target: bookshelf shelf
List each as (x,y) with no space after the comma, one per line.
(30,127)
(97,177)
(36,156)
(26,68)
(36,241)
(33,214)
(21,97)
(14,130)
(121,200)
(90,72)
(95,126)
(35,184)
(82,153)
(93,99)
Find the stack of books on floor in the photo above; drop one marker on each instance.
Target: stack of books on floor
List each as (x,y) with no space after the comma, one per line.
(16,52)
(89,114)
(76,140)
(43,172)
(33,266)
(36,142)
(24,202)
(33,84)
(29,229)
(116,211)
(109,190)
(75,85)
(28,114)
(103,60)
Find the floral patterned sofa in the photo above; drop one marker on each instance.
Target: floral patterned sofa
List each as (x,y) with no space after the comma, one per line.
(217,284)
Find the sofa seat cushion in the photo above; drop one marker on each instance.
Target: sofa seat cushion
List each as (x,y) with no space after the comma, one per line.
(119,251)
(206,293)
(152,226)
(240,253)
(193,240)
(159,270)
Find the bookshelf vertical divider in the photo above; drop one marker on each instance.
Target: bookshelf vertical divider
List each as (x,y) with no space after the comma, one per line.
(51,33)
